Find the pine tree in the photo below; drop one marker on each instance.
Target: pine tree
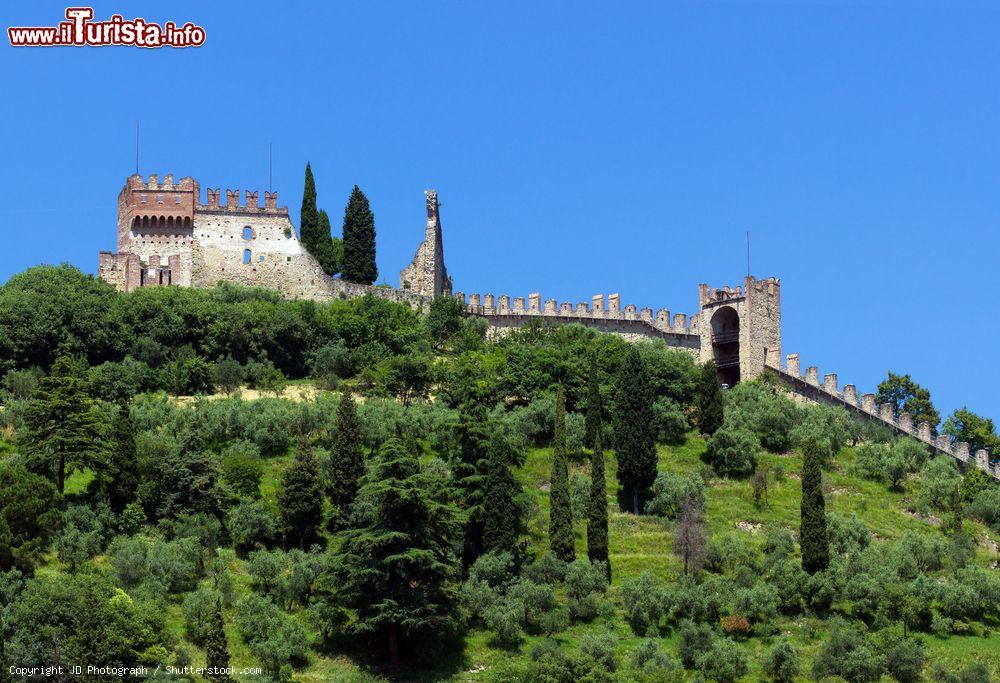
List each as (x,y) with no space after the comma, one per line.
(120,478)
(813,537)
(64,431)
(501,518)
(597,521)
(470,465)
(710,400)
(300,500)
(635,430)
(594,408)
(217,648)
(359,240)
(560,508)
(398,570)
(346,466)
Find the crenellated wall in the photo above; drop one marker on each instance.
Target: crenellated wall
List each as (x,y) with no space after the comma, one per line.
(505,313)
(807,388)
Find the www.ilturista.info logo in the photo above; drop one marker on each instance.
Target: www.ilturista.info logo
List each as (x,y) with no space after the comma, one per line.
(80,31)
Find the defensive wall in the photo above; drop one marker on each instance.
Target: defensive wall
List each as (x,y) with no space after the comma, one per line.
(808,388)
(504,313)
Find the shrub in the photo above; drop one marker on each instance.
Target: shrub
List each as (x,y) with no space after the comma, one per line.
(724,661)
(781,662)
(693,640)
(547,569)
(645,603)
(940,482)
(653,664)
(759,409)
(668,491)
(601,648)
(330,363)
(735,625)
(671,422)
(251,524)
(197,609)
(732,452)
(870,461)
(848,653)
(242,469)
(586,582)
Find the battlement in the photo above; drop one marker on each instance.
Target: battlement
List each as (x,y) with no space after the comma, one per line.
(809,387)
(708,295)
(232,203)
(489,306)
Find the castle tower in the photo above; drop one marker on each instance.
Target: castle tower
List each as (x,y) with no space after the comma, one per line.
(741,327)
(427,274)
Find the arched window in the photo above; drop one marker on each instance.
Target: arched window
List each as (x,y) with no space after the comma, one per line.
(248,233)
(246,256)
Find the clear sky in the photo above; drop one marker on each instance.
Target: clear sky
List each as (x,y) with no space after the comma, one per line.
(577,147)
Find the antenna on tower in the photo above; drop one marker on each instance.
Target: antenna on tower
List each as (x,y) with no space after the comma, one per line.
(748,253)
(270,164)
(137,146)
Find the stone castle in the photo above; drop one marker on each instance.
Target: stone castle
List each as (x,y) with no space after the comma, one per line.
(166,236)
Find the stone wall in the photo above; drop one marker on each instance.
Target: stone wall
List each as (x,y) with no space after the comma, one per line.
(504,313)
(808,389)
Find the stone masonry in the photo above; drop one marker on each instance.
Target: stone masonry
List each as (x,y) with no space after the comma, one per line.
(167,236)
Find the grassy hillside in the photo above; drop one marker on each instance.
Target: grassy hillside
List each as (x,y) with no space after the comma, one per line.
(644,543)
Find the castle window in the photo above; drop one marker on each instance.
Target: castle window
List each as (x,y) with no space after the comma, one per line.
(177,199)
(246,256)
(143,199)
(248,233)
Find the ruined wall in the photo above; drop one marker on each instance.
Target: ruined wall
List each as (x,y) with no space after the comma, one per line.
(426,274)
(809,389)
(505,314)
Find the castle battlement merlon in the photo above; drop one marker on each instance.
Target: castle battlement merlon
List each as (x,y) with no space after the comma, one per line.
(809,388)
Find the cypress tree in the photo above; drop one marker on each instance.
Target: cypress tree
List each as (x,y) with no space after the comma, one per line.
(813,537)
(359,240)
(217,648)
(64,431)
(501,521)
(597,521)
(594,408)
(397,570)
(560,508)
(710,400)
(635,430)
(120,479)
(346,466)
(336,248)
(300,500)
(309,230)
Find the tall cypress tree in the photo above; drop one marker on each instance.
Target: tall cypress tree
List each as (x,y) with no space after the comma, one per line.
(560,508)
(300,500)
(120,478)
(336,245)
(635,430)
(597,521)
(346,466)
(217,648)
(398,571)
(64,431)
(309,230)
(359,240)
(594,408)
(710,400)
(501,519)
(813,537)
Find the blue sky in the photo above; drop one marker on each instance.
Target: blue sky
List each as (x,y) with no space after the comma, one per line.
(577,147)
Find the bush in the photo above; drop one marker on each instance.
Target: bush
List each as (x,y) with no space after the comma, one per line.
(330,363)
(693,640)
(242,469)
(547,569)
(670,488)
(759,409)
(986,508)
(904,657)
(274,637)
(939,483)
(601,648)
(781,662)
(197,609)
(645,604)
(251,525)
(671,422)
(732,452)
(848,653)
(724,661)
(585,586)
(870,461)
(735,625)
(653,664)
